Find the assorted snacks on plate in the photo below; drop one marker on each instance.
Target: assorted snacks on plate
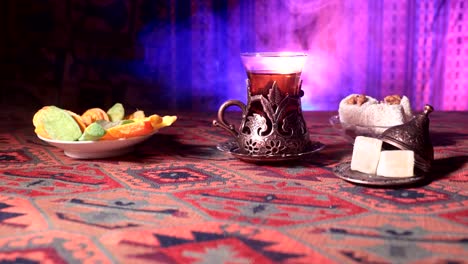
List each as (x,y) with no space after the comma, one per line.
(52,122)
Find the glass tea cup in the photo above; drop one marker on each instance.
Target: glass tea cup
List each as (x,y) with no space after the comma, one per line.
(272,121)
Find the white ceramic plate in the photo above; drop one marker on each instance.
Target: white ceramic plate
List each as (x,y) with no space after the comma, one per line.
(97,149)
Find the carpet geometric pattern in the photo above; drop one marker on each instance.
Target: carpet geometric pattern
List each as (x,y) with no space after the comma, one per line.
(177,199)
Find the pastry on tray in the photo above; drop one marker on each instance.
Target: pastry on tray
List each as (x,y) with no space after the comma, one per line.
(367,113)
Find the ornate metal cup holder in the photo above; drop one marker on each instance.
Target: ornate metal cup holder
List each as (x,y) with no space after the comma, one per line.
(233,148)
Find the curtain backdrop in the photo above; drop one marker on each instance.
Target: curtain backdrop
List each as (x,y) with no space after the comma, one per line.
(184,54)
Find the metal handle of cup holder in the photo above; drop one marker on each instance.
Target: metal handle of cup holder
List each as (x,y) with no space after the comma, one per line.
(222,123)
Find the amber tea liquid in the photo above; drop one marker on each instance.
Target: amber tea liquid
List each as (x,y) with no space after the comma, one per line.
(261,82)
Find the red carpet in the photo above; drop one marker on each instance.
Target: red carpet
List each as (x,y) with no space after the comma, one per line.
(177,199)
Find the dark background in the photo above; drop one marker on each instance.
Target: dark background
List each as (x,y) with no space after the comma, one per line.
(82,54)
(168,55)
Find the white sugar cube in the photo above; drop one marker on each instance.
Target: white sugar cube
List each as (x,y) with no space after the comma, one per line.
(396,163)
(366,154)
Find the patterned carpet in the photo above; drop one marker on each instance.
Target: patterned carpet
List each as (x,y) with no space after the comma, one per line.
(177,199)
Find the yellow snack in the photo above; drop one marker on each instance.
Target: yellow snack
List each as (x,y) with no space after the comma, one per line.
(155,121)
(139,114)
(166,121)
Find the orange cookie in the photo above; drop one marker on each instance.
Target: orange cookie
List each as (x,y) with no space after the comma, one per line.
(39,126)
(78,120)
(94,114)
(135,129)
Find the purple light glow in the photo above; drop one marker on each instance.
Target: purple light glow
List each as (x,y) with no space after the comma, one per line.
(363,46)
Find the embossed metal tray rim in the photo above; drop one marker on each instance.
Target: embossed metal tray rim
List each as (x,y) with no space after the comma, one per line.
(232,148)
(343,171)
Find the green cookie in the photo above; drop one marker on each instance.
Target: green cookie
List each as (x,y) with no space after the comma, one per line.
(93,132)
(116,112)
(60,125)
